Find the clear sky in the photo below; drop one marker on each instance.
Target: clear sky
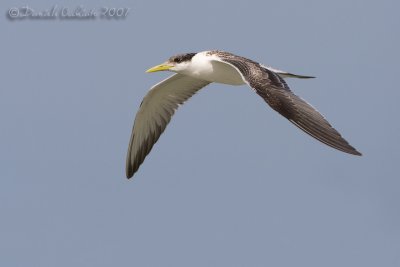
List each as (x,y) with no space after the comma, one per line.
(230,182)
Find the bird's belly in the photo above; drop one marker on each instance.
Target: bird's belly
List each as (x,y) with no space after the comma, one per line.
(219,72)
(224,73)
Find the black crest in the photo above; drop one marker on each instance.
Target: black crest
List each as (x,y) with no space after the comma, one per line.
(182,57)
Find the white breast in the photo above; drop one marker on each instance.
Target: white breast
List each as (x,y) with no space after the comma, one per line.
(208,68)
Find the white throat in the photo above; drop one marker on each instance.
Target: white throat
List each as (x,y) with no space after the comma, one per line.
(210,68)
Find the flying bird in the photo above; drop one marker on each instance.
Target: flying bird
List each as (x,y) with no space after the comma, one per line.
(193,71)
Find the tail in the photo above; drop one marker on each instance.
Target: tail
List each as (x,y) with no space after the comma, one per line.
(291,75)
(285,74)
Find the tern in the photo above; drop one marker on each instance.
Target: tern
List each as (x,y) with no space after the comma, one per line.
(193,71)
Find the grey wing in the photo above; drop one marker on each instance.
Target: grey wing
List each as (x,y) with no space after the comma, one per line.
(274,90)
(304,116)
(155,112)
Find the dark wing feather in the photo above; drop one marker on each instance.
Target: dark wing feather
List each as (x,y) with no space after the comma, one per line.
(154,114)
(274,90)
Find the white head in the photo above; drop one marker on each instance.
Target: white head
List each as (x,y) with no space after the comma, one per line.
(176,63)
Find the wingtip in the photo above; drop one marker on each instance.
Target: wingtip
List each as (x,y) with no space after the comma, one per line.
(353,151)
(129,173)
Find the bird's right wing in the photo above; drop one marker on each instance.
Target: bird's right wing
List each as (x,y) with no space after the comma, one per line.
(155,113)
(304,116)
(274,90)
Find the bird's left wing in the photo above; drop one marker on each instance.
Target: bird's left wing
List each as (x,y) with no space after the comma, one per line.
(155,113)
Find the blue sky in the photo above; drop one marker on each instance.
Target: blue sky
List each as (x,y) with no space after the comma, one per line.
(230,182)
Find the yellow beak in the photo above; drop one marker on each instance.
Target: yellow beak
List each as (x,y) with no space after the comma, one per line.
(160,67)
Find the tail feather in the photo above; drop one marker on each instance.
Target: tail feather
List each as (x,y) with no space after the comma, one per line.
(291,75)
(285,74)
